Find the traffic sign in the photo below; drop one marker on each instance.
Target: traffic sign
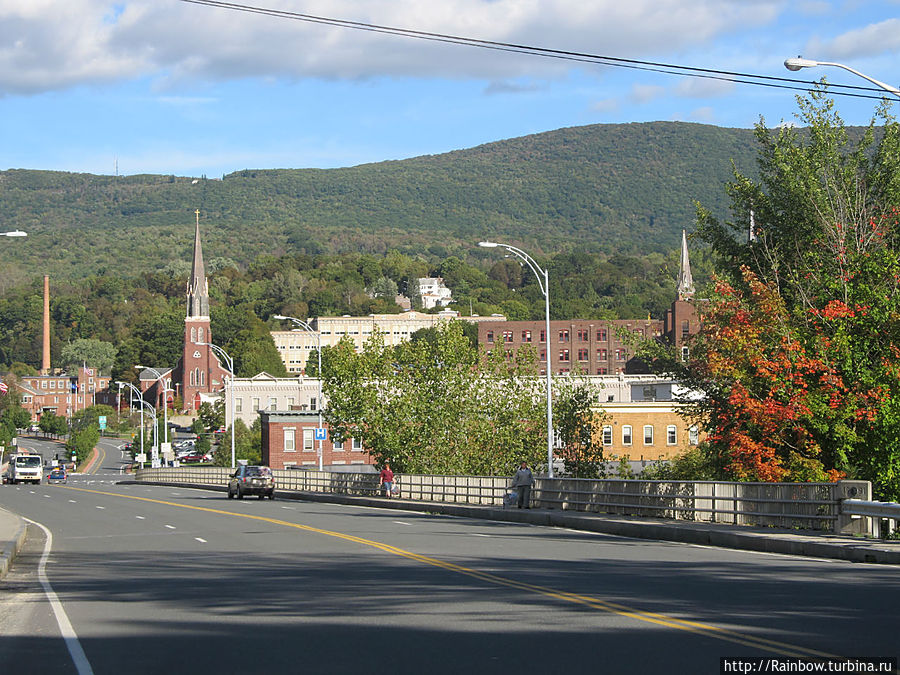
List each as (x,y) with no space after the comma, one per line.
(102,420)
(321,434)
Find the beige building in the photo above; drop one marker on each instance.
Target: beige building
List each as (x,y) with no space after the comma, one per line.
(296,346)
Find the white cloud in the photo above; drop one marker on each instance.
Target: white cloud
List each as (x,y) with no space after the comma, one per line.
(691,87)
(53,44)
(645,93)
(877,38)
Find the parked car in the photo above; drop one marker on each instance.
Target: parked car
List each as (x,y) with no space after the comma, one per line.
(252,480)
(194,457)
(57,475)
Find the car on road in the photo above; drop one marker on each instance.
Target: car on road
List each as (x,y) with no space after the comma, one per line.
(252,480)
(194,457)
(57,475)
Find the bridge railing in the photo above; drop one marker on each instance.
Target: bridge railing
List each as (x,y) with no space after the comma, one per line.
(809,506)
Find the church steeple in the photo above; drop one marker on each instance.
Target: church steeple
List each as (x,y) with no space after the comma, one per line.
(685,280)
(197,288)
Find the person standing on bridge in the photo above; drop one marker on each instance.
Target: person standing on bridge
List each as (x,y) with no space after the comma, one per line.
(522,482)
(386,480)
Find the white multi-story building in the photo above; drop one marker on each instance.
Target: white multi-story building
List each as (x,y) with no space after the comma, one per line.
(267,392)
(296,346)
(433,292)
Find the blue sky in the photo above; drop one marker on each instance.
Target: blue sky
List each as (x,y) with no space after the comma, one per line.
(164,86)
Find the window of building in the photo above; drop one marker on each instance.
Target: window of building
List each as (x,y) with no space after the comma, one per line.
(583,335)
(61,384)
(526,336)
(202,378)
(607,435)
(626,434)
(685,352)
(490,336)
(564,335)
(290,443)
(648,434)
(543,355)
(337,446)
(313,403)
(193,333)
(507,336)
(543,336)
(43,384)
(254,405)
(601,335)
(290,402)
(602,355)
(583,355)
(648,392)
(200,334)
(308,440)
(620,354)
(694,435)
(685,328)
(356,445)
(564,355)
(238,404)
(273,403)
(603,370)
(671,434)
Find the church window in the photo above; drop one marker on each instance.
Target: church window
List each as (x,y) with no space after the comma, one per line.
(193,334)
(200,334)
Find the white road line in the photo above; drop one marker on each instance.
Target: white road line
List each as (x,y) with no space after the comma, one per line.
(171,527)
(82,665)
(47,496)
(289,508)
(100,507)
(400,522)
(476,534)
(140,517)
(72,501)
(202,541)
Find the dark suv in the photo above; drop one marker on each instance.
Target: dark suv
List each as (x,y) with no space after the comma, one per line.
(252,480)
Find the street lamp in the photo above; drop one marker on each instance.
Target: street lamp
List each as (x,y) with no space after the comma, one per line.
(14,233)
(799,63)
(543,280)
(221,352)
(166,390)
(135,390)
(309,329)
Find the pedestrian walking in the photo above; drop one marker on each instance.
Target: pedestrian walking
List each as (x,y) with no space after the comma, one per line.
(522,482)
(386,480)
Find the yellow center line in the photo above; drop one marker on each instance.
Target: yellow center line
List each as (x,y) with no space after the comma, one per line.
(696,627)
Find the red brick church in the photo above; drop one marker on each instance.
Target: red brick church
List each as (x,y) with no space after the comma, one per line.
(198,375)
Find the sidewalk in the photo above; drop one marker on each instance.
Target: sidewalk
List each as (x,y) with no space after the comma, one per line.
(763,539)
(12,536)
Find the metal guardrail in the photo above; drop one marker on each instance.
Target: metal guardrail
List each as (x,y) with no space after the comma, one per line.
(811,506)
(878,511)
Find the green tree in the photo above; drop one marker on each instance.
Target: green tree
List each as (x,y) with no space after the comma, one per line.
(798,355)
(576,424)
(247,444)
(88,351)
(436,405)
(53,425)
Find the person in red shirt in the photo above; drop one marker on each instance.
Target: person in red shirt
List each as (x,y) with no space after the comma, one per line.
(386,480)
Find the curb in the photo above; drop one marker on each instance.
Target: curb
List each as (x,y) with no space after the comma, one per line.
(785,542)
(13,546)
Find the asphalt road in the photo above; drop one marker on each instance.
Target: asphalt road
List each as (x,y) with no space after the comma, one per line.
(165,580)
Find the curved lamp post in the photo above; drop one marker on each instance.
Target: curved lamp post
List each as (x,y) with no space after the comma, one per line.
(309,329)
(222,353)
(543,280)
(799,63)
(135,390)
(166,390)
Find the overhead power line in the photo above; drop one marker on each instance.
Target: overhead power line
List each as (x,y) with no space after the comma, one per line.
(855,91)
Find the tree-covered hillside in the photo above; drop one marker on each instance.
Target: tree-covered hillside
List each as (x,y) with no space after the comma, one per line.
(610,189)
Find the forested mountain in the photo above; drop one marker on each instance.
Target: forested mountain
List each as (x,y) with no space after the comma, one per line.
(609,189)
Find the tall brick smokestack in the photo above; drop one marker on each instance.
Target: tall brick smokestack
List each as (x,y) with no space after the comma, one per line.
(45,362)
